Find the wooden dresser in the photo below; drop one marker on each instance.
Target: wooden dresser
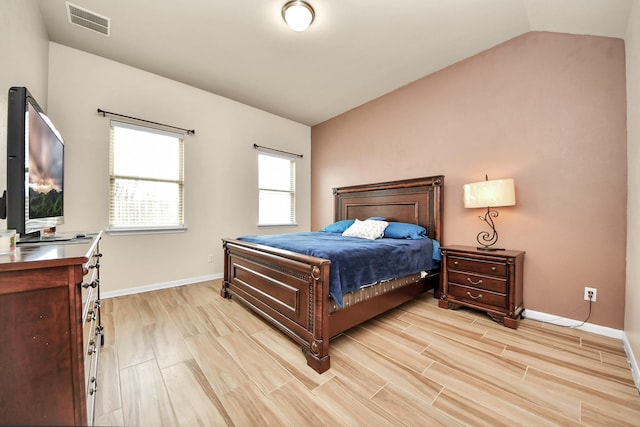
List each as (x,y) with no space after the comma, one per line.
(486,280)
(50,332)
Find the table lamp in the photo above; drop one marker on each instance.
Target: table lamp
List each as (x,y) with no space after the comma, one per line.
(489,194)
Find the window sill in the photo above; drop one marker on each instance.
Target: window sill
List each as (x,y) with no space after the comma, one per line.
(130,231)
(276,225)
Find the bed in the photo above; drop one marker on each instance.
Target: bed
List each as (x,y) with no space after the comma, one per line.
(291,290)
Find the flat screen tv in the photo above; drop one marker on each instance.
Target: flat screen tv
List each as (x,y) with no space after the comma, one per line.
(35,167)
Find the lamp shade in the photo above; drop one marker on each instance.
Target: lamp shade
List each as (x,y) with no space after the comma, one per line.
(483,194)
(298,15)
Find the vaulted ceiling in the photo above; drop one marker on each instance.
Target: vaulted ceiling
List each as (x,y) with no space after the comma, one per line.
(354,51)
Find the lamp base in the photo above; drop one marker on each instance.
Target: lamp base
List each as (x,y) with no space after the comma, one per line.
(489,249)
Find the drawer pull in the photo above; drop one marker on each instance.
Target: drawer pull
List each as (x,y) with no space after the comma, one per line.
(93,389)
(493,268)
(455,263)
(479,282)
(93,284)
(474,297)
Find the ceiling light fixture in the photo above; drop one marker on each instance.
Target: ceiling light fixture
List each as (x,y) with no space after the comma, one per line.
(298,15)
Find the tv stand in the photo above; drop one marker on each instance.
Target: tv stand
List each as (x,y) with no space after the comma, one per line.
(43,239)
(58,237)
(3,205)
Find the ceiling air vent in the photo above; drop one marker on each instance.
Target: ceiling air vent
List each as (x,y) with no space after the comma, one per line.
(88,19)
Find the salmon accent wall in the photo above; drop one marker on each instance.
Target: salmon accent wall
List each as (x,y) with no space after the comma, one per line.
(546,109)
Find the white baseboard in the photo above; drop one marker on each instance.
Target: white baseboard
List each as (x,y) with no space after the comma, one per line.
(596,329)
(635,370)
(563,321)
(158,286)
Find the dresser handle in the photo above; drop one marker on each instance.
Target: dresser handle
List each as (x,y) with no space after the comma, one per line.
(455,262)
(493,268)
(93,284)
(479,282)
(472,297)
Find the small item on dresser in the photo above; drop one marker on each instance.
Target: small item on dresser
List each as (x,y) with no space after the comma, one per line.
(7,241)
(48,232)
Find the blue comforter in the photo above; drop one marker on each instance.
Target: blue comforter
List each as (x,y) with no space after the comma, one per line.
(356,262)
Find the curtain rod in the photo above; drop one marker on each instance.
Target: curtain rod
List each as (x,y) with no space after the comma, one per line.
(104,113)
(258,147)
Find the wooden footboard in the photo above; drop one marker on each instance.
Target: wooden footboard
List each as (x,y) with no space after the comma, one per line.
(287,289)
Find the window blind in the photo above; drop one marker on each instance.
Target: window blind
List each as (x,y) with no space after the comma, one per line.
(146,175)
(277,190)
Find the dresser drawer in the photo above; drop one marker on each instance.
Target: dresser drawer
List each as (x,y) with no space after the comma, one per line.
(91,343)
(478,296)
(92,328)
(479,282)
(92,358)
(493,268)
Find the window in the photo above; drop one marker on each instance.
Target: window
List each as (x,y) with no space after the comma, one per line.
(146,171)
(277,190)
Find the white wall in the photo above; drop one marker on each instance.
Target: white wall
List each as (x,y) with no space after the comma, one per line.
(632,293)
(24,49)
(220,166)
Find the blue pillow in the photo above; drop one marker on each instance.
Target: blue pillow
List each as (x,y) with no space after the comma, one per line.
(377,218)
(339,227)
(403,230)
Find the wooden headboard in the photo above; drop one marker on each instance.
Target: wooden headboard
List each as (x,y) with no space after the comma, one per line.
(415,201)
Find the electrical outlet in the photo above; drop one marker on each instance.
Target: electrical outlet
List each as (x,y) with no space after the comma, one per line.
(593,292)
(210,258)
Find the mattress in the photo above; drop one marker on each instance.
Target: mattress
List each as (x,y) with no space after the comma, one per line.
(356,261)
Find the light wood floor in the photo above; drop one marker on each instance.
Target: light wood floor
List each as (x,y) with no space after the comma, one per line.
(185,357)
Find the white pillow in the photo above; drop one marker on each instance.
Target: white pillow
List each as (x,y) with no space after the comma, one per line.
(367,229)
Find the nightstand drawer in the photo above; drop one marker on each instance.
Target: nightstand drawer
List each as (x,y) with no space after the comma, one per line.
(478,296)
(493,268)
(480,282)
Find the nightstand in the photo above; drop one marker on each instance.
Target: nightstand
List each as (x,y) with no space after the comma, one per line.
(490,281)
